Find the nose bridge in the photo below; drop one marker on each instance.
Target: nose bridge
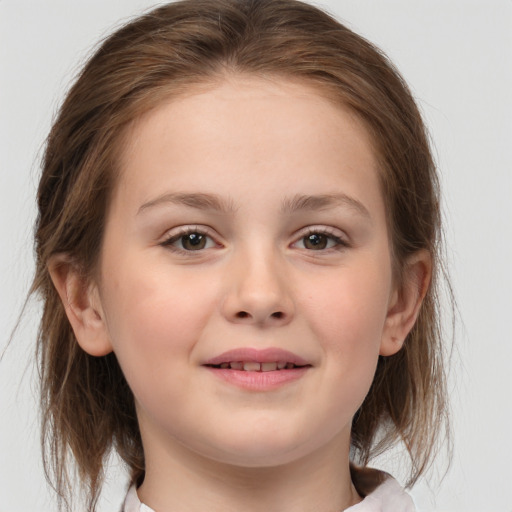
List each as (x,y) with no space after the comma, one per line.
(258,290)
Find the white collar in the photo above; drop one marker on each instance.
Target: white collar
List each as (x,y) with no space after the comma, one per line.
(389,496)
(132,502)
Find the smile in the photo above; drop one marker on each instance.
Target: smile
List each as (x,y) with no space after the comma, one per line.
(257,360)
(252,366)
(258,370)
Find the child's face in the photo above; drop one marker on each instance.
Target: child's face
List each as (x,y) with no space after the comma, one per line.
(248,218)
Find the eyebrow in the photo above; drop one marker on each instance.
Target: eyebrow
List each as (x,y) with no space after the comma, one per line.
(299,202)
(192,200)
(324,202)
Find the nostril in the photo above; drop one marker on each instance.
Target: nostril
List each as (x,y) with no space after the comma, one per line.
(277,314)
(242,314)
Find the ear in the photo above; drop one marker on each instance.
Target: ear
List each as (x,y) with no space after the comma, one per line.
(82,304)
(405,302)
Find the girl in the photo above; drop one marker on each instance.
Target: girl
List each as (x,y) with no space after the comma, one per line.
(237,250)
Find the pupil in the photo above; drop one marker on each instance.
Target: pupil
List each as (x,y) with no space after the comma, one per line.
(315,241)
(194,241)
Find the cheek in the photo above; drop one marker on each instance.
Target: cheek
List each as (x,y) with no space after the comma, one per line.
(348,313)
(351,307)
(154,317)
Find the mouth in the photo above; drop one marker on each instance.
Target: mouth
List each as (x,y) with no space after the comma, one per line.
(257,360)
(258,369)
(254,366)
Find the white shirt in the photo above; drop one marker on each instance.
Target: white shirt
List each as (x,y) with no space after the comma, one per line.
(387,497)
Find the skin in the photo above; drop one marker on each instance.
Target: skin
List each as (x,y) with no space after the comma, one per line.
(256,146)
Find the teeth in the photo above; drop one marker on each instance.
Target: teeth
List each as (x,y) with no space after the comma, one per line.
(252,367)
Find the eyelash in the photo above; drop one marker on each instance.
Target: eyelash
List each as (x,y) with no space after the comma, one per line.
(176,237)
(339,242)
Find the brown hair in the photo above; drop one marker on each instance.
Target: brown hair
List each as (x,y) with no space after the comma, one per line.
(88,408)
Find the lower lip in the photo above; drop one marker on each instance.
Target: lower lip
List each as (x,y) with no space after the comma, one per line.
(259,381)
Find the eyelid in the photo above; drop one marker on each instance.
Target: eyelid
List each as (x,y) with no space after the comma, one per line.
(174,234)
(336,234)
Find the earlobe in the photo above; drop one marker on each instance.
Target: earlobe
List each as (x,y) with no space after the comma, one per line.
(405,302)
(82,304)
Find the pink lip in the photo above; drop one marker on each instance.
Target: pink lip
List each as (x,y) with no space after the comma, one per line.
(267,355)
(258,380)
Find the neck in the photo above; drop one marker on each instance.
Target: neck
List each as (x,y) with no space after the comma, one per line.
(177,480)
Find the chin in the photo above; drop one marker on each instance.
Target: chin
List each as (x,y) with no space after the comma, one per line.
(266,449)
(264,458)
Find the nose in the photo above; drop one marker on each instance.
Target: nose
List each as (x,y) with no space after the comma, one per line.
(259,292)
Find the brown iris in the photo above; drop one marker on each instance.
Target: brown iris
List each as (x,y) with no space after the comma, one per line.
(193,241)
(315,241)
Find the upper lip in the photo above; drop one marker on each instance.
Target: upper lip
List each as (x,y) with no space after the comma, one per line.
(266,355)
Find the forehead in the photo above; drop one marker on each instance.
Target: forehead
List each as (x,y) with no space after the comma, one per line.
(235,97)
(234,129)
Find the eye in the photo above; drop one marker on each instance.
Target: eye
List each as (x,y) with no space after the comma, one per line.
(190,240)
(316,240)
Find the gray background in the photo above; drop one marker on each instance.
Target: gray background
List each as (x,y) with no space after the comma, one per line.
(456,55)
